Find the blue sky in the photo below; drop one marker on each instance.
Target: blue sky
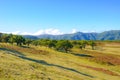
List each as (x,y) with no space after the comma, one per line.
(59,16)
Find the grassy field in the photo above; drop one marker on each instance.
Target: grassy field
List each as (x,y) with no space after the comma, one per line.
(42,63)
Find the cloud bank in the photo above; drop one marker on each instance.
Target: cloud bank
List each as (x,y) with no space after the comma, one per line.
(50,31)
(40,32)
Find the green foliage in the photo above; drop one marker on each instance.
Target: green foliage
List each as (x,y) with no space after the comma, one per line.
(84,43)
(19,40)
(52,43)
(92,44)
(36,42)
(11,38)
(5,38)
(61,45)
(64,45)
(28,42)
(80,43)
(44,42)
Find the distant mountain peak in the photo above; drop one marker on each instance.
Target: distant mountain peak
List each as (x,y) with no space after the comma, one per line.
(106,35)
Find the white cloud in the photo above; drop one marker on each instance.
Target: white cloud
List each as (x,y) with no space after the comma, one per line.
(48,31)
(25,33)
(15,32)
(40,32)
(74,31)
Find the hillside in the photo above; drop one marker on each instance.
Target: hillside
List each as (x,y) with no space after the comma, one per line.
(42,63)
(107,35)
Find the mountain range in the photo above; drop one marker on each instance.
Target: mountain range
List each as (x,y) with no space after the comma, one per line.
(106,35)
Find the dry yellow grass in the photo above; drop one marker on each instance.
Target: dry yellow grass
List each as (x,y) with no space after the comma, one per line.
(41,63)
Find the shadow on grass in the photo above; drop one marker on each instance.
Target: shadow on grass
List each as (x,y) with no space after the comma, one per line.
(25,46)
(13,52)
(45,63)
(22,56)
(81,55)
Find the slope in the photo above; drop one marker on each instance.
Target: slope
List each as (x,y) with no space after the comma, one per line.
(41,63)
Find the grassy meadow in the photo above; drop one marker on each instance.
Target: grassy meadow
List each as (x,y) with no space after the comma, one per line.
(43,63)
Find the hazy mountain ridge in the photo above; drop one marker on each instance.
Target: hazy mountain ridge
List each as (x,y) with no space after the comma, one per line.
(30,37)
(109,35)
(106,35)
